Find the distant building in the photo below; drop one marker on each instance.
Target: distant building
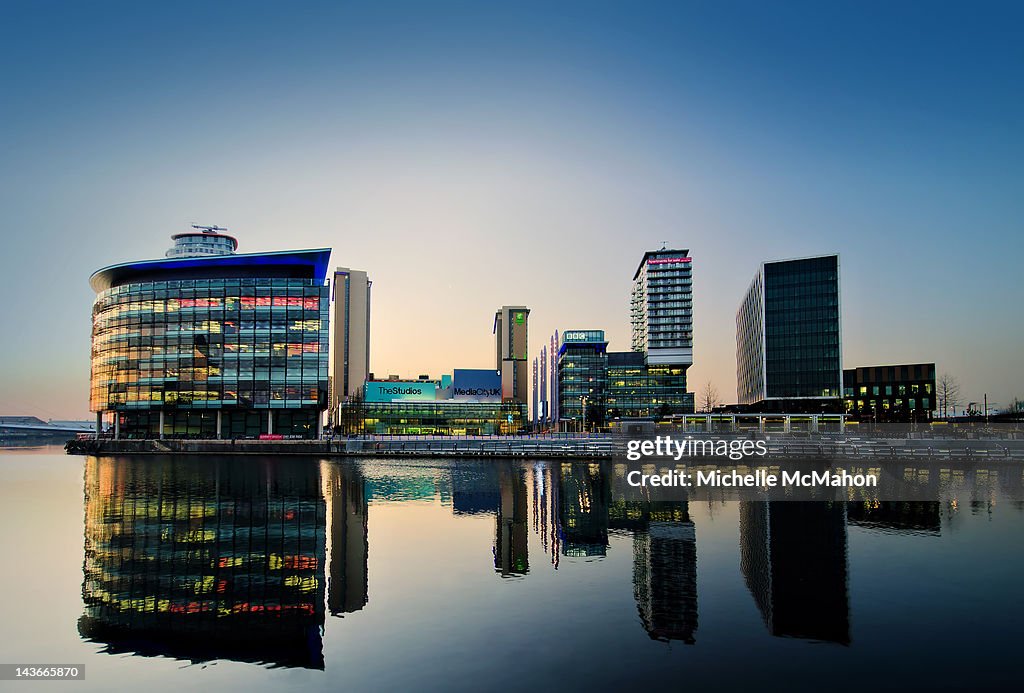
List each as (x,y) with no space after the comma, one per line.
(902,393)
(207,343)
(661,310)
(469,402)
(26,428)
(788,338)
(351,348)
(511,351)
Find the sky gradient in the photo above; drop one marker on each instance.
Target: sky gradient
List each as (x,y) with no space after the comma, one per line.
(470,155)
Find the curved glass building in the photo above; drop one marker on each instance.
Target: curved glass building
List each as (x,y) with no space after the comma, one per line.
(207,343)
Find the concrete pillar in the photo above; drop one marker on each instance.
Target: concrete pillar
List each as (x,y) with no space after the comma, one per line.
(787,423)
(99,423)
(218,423)
(842,424)
(760,423)
(117,425)
(161,434)
(319,425)
(707,423)
(814,423)
(270,421)
(732,424)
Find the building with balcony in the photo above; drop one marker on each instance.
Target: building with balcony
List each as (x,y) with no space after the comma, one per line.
(661,307)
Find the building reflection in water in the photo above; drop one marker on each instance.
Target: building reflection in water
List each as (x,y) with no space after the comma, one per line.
(901,517)
(344,490)
(573,507)
(664,559)
(220,559)
(583,511)
(793,558)
(546,503)
(475,489)
(511,536)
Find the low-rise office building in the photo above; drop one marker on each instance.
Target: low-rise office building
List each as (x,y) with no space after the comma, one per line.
(469,402)
(903,393)
(597,388)
(638,390)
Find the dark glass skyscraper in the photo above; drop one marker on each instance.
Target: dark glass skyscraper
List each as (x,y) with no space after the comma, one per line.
(211,344)
(788,336)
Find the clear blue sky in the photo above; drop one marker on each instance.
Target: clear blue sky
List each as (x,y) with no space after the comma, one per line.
(470,155)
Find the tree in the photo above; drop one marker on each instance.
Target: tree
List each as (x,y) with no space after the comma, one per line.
(709,397)
(948,393)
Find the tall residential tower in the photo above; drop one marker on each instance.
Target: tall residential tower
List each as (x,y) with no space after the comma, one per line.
(661,309)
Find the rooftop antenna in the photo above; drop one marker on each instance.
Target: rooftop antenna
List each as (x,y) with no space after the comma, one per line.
(664,245)
(209,229)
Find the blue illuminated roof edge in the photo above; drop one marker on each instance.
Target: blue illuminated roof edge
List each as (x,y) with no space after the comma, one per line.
(318,258)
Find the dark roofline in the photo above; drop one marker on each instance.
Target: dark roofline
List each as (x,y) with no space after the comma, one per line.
(649,253)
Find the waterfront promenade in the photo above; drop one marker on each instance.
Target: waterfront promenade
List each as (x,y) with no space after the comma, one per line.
(567,446)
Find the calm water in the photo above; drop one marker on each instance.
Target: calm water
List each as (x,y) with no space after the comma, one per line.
(279,574)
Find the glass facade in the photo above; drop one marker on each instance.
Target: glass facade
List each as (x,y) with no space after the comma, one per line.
(204,242)
(639,391)
(750,344)
(582,377)
(211,354)
(418,417)
(788,332)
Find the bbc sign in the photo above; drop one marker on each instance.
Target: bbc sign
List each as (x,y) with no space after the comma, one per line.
(577,336)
